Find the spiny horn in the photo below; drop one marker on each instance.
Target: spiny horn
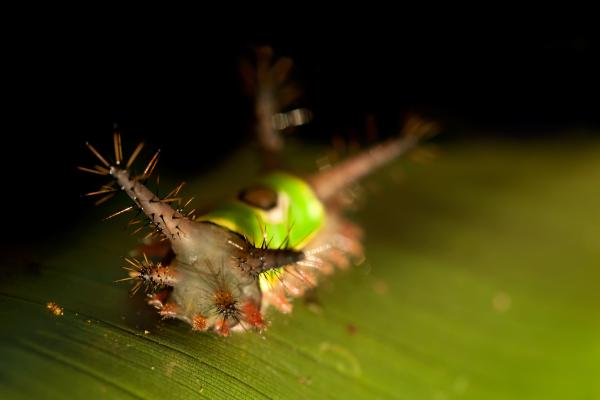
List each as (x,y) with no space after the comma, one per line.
(330,182)
(168,221)
(254,261)
(148,274)
(172,223)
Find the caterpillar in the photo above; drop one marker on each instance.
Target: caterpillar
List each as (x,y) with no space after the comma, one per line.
(222,270)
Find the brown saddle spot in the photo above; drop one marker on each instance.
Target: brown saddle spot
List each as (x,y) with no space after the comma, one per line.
(262,197)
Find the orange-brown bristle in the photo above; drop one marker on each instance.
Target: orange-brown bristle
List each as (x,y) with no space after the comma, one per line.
(252,315)
(199,323)
(225,303)
(162,275)
(222,327)
(169,310)
(148,275)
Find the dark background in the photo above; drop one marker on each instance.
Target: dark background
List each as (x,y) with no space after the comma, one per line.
(183,91)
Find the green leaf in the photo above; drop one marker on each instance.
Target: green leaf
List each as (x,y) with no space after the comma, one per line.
(481,282)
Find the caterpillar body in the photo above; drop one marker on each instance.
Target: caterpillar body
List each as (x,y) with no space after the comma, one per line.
(222,270)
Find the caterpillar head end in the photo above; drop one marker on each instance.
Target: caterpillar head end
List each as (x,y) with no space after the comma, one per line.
(211,277)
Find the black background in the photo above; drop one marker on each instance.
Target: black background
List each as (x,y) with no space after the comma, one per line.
(182,90)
